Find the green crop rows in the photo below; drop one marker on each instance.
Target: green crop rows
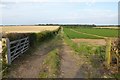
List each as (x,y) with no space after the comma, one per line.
(100,32)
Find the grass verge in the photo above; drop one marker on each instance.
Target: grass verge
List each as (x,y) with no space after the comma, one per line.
(51,65)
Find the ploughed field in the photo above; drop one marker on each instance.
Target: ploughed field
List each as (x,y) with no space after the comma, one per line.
(90,33)
(27,29)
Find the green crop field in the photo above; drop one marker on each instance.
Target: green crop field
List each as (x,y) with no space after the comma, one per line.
(90,33)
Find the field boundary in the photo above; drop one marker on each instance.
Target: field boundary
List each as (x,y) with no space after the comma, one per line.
(88,34)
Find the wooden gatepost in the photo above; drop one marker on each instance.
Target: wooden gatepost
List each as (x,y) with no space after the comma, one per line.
(112,56)
(108,52)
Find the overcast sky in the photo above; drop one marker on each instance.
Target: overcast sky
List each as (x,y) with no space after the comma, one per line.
(18,12)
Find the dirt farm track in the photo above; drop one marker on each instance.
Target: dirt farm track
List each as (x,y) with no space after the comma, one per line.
(26,29)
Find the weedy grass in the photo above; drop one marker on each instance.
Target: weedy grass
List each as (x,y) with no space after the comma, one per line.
(51,65)
(117,76)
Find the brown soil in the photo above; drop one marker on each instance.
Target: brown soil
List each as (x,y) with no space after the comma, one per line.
(91,41)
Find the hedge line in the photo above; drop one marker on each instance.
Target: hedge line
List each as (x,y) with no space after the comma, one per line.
(15,36)
(36,38)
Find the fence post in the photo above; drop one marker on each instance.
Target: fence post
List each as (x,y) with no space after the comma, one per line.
(108,53)
(8,51)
